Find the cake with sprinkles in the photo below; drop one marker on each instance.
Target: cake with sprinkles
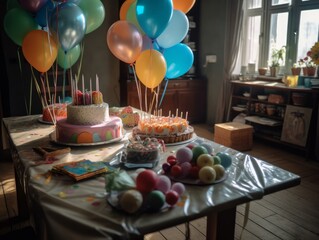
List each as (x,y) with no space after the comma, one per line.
(88,121)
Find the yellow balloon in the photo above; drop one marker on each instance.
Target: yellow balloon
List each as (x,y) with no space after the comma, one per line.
(150,68)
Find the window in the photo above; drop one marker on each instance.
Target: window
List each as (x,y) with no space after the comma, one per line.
(272,24)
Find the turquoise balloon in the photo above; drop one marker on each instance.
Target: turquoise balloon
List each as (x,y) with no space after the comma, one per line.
(176,30)
(94,13)
(69,58)
(154,16)
(18,23)
(179,59)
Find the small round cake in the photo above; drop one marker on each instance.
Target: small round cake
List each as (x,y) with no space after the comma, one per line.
(88,114)
(54,112)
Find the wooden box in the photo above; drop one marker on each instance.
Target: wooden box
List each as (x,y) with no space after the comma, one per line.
(235,135)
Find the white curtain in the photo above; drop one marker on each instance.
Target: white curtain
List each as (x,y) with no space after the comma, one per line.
(233,32)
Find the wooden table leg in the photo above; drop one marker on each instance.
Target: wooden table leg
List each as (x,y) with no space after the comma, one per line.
(221,225)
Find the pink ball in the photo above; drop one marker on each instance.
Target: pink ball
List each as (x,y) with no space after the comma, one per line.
(186,168)
(163,184)
(179,188)
(184,154)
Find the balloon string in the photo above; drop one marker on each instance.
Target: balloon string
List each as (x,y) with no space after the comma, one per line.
(164,91)
(138,87)
(64,73)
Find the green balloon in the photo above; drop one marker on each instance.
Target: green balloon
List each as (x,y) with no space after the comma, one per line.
(131,17)
(13,4)
(17,23)
(69,58)
(94,13)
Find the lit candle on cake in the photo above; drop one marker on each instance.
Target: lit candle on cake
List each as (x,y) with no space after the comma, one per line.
(97,83)
(83,89)
(91,90)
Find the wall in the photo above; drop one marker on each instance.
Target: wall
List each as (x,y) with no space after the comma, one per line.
(212,41)
(99,60)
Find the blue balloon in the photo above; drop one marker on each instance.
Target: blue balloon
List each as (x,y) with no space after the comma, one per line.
(179,59)
(176,30)
(43,15)
(68,23)
(154,16)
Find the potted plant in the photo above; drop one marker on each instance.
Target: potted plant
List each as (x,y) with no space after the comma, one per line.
(296,68)
(277,58)
(314,54)
(309,67)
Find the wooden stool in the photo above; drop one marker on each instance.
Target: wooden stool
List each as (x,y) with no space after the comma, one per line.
(235,135)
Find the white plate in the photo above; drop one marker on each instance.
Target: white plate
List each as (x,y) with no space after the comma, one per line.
(239,109)
(191,181)
(40,120)
(53,139)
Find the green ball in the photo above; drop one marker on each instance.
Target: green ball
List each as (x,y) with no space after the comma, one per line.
(217,160)
(154,201)
(197,151)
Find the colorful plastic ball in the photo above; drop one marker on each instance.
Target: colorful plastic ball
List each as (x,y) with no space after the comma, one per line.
(226,159)
(163,184)
(179,188)
(197,151)
(171,197)
(154,201)
(208,147)
(184,154)
(146,181)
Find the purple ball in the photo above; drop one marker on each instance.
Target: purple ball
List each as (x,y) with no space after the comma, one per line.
(186,168)
(184,154)
(163,184)
(179,188)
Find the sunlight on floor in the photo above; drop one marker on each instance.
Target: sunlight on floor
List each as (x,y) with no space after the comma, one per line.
(8,186)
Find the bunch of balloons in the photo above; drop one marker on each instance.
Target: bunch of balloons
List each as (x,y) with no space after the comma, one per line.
(148,35)
(50,31)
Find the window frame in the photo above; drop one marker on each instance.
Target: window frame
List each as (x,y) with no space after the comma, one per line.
(294,10)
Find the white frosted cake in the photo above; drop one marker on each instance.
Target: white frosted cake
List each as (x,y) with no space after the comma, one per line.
(88,114)
(86,124)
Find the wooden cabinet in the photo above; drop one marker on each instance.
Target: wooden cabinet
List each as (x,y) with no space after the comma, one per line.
(186,95)
(287,116)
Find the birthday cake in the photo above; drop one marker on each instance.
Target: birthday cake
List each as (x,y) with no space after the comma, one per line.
(169,129)
(54,112)
(88,121)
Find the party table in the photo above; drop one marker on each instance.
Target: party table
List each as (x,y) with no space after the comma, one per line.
(61,208)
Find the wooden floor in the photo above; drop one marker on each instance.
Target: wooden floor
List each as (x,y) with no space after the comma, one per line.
(289,214)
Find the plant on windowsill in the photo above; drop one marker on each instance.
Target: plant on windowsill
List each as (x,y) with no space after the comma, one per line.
(309,66)
(296,68)
(314,54)
(277,59)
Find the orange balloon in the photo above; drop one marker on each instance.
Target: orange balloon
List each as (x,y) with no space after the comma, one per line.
(124,8)
(183,5)
(151,68)
(124,40)
(40,50)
